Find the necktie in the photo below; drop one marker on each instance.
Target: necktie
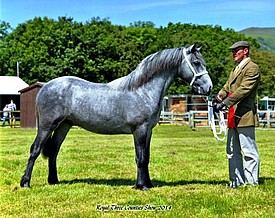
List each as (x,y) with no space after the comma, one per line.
(236,69)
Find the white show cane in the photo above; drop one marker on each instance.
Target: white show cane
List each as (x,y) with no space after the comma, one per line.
(211,120)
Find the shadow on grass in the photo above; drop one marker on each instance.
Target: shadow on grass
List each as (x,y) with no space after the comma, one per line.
(128,182)
(156,183)
(262,180)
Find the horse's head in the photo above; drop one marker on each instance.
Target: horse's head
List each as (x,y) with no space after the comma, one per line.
(192,69)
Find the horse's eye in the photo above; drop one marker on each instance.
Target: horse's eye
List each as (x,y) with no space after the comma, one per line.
(196,62)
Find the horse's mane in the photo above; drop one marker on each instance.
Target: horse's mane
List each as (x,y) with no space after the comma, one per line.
(148,67)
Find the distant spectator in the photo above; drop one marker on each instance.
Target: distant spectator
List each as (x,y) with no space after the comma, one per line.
(12,106)
(6,111)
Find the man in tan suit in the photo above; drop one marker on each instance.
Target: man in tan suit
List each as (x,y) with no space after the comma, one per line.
(239,95)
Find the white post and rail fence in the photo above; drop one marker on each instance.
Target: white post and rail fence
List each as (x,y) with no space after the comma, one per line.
(192,118)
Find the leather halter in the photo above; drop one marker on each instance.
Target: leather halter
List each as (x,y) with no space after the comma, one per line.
(196,74)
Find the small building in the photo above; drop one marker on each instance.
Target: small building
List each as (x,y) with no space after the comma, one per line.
(27,105)
(176,108)
(267,103)
(9,90)
(184,103)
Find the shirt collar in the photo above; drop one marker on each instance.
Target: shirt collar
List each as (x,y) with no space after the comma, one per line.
(243,62)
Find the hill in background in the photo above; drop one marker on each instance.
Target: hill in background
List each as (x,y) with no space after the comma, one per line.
(265,37)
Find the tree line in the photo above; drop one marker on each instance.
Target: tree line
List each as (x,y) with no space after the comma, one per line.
(99,51)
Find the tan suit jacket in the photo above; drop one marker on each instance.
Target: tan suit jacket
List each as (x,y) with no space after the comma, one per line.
(244,85)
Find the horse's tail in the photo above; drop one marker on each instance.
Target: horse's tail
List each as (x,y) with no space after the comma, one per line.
(46,149)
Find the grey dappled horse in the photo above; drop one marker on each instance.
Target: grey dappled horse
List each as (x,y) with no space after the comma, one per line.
(128,105)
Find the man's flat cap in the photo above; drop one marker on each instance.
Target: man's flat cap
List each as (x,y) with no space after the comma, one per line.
(240,44)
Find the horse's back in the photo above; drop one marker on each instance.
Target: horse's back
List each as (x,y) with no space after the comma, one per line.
(56,98)
(62,87)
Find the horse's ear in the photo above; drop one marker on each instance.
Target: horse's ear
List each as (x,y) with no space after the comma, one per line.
(191,48)
(194,48)
(199,49)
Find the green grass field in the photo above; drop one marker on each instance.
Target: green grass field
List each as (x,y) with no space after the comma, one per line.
(97,172)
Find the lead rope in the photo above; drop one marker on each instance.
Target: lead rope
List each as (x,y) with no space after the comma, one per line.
(211,120)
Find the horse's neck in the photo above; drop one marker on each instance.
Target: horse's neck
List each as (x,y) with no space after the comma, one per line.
(156,88)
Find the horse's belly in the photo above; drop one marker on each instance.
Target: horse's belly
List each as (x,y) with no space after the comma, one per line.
(109,131)
(105,127)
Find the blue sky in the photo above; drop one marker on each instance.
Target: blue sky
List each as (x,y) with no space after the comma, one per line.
(235,14)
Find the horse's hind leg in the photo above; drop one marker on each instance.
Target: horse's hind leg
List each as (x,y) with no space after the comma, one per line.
(36,147)
(56,141)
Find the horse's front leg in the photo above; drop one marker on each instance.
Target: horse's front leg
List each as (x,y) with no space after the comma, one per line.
(142,138)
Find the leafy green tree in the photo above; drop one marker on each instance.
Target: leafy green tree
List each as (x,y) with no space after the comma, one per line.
(4,29)
(99,51)
(266,62)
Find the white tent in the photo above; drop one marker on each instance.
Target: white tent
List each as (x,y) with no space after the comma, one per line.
(10,85)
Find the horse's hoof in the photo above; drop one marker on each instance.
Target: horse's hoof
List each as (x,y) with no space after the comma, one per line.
(24,183)
(53,181)
(26,186)
(143,187)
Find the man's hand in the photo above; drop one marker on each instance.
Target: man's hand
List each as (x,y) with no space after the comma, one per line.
(219,98)
(219,106)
